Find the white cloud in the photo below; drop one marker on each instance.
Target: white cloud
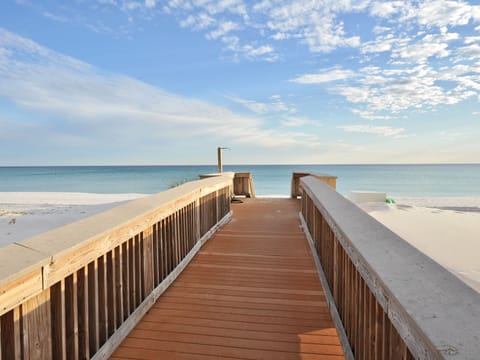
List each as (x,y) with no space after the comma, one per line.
(276,105)
(249,51)
(198,22)
(222,29)
(312,23)
(381,44)
(296,121)
(472,39)
(326,75)
(377,29)
(471,51)
(384,8)
(428,46)
(150,3)
(369,115)
(447,13)
(376,130)
(55,17)
(107,2)
(81,99)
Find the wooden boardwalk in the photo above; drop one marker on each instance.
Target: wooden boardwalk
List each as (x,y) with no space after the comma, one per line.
(252,292)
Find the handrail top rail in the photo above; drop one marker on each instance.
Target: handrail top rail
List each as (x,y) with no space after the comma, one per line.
(230,174)
(309,173)
(406,282)
(23,257)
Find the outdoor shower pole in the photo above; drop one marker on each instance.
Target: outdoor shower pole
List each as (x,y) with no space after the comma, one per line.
(219,157)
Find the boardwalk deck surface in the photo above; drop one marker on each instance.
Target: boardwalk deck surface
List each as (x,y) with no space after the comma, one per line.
(252,292)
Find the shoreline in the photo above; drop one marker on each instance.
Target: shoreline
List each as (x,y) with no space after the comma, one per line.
(26,214)
(444,228)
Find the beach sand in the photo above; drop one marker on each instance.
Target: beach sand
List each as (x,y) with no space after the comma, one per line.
(25,214)
(445,229)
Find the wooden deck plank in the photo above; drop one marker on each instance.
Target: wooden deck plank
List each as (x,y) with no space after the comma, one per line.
(252,292)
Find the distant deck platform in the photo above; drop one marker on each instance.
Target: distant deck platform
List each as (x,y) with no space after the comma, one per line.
(252,292)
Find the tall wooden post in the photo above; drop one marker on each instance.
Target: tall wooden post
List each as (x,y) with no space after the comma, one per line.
(219,157)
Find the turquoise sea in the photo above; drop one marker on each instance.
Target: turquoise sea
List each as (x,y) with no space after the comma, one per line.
(395,180)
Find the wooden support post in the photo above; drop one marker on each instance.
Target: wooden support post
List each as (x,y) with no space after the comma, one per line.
(219,160)
(36,321)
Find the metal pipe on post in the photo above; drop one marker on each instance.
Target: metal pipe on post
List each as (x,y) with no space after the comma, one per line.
(219,157)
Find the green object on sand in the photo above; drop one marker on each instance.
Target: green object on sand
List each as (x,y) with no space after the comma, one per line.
(389,201)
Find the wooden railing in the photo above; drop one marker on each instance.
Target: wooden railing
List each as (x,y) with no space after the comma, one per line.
(75,292)
(243,184)
(295,188)
(393,301)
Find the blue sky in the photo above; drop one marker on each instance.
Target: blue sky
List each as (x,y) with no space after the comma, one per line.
(166,82)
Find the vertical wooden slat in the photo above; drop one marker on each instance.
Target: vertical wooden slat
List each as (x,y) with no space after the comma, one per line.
(341,274)
(197,220)
(193,224)
(126,278)
(119,285)
(11,335)
(386,337)
(71,316)
(378,331)
(57,301)
(102,300)
(142,266)
(360,315)
(131,275)
(138,271)
(397,347)
(161,250)
(37,336)
(176,240)
(112,311)
(18,331)
(354,301)
(169,243)
(365,320)
(93,316)
(372,321)
(82,292)
(336,269)
(148,259)
(349,305)
(179,235)
(155,254)
(184,232)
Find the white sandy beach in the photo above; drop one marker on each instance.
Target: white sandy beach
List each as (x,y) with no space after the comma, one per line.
(445,229)
(24,214)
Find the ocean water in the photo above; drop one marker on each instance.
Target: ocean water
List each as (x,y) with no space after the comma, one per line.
(395,180)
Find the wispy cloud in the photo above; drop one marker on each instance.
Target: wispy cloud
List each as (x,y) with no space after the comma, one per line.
(324,76)
(376,130)
(275,104)
(442,13)
(296,121)
(80,100)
